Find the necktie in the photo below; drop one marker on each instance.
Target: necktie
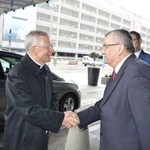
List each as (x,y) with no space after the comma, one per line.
(114,75)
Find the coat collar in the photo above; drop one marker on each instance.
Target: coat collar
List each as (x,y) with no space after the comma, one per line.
(142,55)
(32,66)
(111,85)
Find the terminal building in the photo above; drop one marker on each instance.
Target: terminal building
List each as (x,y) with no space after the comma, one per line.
(76,27)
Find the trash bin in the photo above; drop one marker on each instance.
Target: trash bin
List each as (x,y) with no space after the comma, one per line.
(93,75)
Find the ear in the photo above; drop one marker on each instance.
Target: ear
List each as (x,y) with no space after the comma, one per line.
(121,48)
(140,41)
(31,50)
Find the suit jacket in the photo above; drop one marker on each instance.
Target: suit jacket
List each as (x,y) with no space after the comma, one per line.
(145,57)
(30,108)
(124,109)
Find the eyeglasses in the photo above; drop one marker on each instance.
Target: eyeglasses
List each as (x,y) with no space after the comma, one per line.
(104,45)
(47,47)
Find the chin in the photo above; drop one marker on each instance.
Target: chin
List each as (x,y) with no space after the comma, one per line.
(48,59)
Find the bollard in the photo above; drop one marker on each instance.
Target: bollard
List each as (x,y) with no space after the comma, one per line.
(78,139)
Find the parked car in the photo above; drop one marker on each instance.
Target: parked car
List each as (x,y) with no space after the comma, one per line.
(86,60)
(68,92)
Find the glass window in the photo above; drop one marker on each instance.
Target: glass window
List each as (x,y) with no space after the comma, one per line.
(7,63)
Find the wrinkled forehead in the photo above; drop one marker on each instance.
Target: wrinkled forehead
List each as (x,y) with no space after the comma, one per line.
(43,39)
(110,38)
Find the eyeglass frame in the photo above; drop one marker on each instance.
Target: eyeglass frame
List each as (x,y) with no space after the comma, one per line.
(47,47)
(104,45)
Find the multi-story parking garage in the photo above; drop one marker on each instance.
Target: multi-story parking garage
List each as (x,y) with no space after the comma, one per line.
(76,27)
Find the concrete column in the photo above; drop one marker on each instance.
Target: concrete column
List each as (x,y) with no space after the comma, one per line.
(78,139)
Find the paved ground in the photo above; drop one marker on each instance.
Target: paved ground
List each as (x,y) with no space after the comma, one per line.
(58,141)
(90,94)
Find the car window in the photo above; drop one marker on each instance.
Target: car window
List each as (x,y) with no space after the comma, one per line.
(2,76)
(7,63)
(54,78)
(2,92)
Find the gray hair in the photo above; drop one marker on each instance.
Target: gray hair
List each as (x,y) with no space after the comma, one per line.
(124,37)
(32,38)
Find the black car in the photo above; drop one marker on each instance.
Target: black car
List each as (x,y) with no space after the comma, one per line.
(68,92)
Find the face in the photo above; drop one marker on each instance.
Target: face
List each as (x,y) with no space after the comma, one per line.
(136,42)
(42,52)
(110,50)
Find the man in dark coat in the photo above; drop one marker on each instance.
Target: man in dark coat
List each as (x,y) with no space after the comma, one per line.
(124,110)
(31,104)
(137,41)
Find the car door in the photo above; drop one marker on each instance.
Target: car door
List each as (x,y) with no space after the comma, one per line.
(2,96)
(6,63)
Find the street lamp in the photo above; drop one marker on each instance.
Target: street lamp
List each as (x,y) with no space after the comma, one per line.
(52,7)
(10,32)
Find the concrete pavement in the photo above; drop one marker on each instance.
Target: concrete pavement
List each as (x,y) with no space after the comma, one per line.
(58,141)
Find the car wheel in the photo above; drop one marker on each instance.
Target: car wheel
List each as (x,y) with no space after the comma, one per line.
(68,103)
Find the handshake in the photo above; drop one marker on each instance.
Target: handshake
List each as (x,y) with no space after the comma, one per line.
(71,119)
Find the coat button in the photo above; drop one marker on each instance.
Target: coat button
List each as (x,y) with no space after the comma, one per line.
(101,134)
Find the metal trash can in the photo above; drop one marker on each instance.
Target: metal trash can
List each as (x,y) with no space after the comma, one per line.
(93,76)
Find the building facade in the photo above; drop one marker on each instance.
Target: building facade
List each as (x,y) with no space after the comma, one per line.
(77,27)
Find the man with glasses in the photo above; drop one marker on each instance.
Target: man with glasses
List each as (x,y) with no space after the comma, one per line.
(32,109)
(124,110)
(137,41)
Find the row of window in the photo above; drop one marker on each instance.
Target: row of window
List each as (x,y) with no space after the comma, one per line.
(74,24)
(86,17)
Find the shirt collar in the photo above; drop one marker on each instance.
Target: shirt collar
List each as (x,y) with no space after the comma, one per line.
(137,53)
(36,62)
(120,64)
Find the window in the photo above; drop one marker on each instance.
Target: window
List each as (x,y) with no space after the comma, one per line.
(7,63)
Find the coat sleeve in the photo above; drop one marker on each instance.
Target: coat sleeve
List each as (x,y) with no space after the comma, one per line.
(139,99)
(90,115)
(55,104)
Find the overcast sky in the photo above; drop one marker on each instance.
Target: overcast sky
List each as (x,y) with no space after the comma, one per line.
(140,7)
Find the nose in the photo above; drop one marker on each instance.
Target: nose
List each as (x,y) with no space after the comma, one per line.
(102,52)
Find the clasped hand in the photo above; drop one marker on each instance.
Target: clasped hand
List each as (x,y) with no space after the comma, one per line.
(71,119)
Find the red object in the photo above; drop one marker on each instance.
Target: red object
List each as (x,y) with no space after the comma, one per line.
(114,75)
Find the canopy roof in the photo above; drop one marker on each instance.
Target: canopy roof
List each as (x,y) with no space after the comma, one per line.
(12,5)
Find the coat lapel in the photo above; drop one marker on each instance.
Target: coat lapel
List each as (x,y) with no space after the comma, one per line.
(142,55)
(32,66)
(113,83)
(46,74)
(48,88)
